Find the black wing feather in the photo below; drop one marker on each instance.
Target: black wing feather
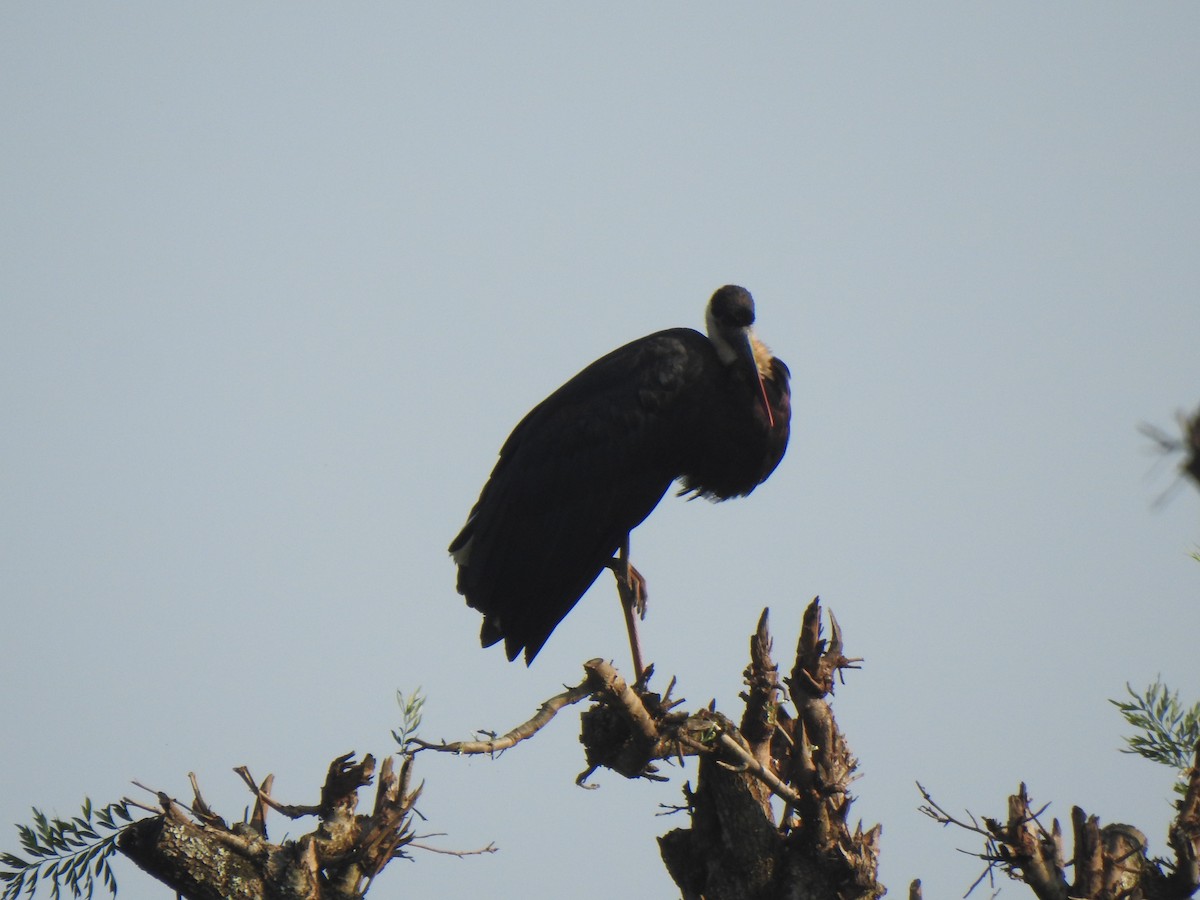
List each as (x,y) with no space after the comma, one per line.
(577,474)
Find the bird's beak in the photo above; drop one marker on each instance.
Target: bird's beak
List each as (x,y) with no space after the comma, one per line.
(745,351)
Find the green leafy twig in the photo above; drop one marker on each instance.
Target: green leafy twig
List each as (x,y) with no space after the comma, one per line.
(69,853)
(411,708)
(1168,732)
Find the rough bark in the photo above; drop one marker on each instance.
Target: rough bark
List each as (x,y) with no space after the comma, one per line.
(1107,862)
(768,816)
(202,858)
(735,848)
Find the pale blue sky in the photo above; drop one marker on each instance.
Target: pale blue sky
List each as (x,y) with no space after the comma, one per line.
(277,280)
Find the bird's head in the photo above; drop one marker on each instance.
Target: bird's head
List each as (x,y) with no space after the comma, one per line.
(730,319)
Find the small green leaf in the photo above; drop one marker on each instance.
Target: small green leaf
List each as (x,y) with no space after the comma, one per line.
(64,853)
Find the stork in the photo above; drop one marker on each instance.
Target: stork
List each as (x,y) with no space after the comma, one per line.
(588,464)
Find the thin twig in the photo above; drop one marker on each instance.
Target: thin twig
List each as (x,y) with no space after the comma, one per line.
(157,811)
(490,848)
(939,815)
(164,800)
(292,812)
(200,809)
(522,732)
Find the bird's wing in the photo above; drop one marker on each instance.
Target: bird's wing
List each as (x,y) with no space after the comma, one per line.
(581,470)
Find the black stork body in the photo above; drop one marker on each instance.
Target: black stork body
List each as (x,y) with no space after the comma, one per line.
(590,462)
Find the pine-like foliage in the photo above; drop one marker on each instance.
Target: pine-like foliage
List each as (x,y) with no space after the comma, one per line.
(1168,733)
(67,853)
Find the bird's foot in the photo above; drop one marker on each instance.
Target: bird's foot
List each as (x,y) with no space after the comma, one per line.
(631,588)
(640,594)
(631,585)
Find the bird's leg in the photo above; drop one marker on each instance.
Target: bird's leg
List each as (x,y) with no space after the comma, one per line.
(631,588)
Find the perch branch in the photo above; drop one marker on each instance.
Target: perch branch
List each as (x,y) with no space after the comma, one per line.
(605,680)
(524,731)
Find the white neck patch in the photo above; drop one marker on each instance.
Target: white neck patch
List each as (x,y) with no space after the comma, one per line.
(716,334)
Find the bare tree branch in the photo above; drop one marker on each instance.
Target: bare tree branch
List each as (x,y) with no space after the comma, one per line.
(524,731)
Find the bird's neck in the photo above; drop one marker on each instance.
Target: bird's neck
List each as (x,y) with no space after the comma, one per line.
(762,357)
